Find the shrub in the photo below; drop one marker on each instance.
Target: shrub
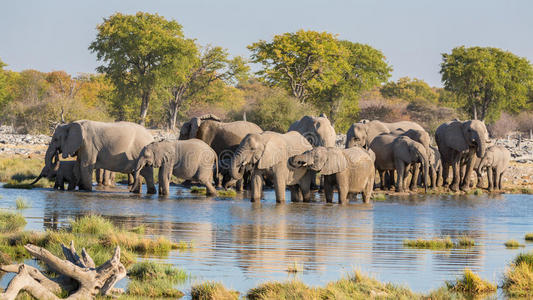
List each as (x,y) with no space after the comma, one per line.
(513,244)
(92,224)
(212,291)
(471,284)
(10,222)
(503,126)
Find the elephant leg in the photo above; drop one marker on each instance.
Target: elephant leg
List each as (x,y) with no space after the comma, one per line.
(305,186)
(454,186)
(414,179)
(367,192)
(490,179)
(433,175)
(131,180)
(382,179)
(256,186)
(445,174)
(400,170)
(86,180)
(164,179)
(239,185)
(105,179)
(500,180)
(465,186)
(328,192)
(148,174)
(479,175)
(98,176)
(296,194)
(279,188)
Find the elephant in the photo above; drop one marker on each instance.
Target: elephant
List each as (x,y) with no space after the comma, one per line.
(317,130)
(349,170)
(362,133)
(224,138)
(397,153)
(496,160)
(267,154)
(105,177)
(460,141)
(190,159)
(61,172)
(420,136)
(100,145)
(435,166)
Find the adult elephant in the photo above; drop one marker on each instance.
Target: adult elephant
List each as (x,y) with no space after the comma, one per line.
(396,153)
(460,140)
(110,146)
(317,130)
(267,154)
(224,138)
(422,137)
(363,132)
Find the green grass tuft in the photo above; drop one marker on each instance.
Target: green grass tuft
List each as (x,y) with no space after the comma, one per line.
(212,291)
(149,270)
(529,237)
(183,245)
(19,168)
(478,192)
(435,243)
(379,197)
(465,242)
(139,229)
(513,244)
(440,243)
(21,203)
(11,222)
(229,193)
(518,279)
(471,284)
(153,288)
(293,289)
(92,224)
(198,190)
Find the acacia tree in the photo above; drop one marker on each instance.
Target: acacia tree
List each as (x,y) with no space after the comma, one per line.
(303,63)
(409,89)
(365,67)
(138,52)
(208,66)
(487,80)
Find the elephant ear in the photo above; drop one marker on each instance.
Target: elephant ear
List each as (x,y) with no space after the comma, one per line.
(335,162)
(272,154)
(73,139)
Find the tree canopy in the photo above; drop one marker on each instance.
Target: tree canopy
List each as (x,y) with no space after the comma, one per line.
(487,80)
(409,89)
(138,51)
(303,62)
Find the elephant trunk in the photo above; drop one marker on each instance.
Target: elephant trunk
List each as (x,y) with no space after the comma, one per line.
(51,153)
(481,146)
(37,179)
(425,165)
(236,169)
(138,167)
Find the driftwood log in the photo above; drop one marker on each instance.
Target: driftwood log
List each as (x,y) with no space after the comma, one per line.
(78,275)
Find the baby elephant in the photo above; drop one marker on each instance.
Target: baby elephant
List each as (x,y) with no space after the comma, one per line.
(187,159)
(351,170)
(496,161)
(61,171)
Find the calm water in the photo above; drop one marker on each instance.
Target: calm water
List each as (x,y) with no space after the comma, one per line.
(242,244)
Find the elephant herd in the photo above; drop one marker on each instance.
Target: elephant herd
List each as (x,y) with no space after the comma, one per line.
(241,154)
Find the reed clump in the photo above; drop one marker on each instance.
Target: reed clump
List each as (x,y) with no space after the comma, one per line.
(212,290)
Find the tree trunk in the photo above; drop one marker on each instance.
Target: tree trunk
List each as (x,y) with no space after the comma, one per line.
(91,280)
(474,110)
(144,106)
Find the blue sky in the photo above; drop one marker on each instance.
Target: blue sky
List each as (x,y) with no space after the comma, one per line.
(54,35)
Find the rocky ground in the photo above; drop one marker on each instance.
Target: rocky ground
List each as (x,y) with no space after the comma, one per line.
(519,174)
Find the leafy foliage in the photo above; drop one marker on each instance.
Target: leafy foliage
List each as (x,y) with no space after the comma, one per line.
(409,89)
(487,80)
(138,52)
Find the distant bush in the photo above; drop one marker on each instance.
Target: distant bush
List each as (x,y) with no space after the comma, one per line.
(271,108)
(502,127)
(383,110)
(525,121)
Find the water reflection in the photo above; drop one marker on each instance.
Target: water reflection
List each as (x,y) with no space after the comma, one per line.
(242,244)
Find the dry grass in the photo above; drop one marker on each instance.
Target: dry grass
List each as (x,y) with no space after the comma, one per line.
(529,237)
(440,243)
(295,267)
(21,203)
(513,244)
(212,291)
(471,284)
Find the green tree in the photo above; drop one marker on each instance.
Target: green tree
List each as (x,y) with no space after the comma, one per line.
(409,89)
(365,68)
(139,51)
(205,69)
(303,63)
(487,80)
